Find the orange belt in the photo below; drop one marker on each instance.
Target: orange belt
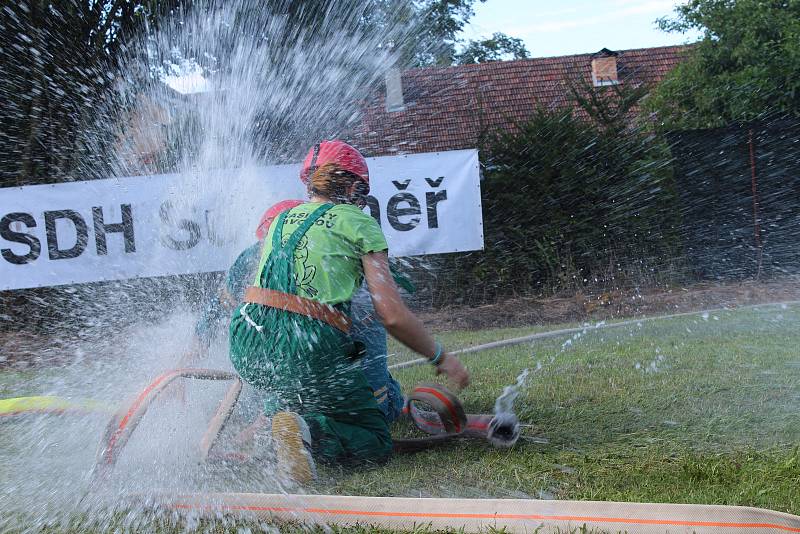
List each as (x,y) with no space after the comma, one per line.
(300,305)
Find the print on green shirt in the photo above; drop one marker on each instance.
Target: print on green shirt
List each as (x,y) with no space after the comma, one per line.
(304,276)
(328,258)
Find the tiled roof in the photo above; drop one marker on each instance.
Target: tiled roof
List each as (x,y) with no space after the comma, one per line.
(446,108)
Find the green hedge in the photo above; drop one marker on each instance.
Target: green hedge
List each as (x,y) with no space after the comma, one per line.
(571,198)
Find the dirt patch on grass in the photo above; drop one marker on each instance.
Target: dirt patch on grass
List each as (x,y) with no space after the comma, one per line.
(25,348)
(22,349)
(610,305)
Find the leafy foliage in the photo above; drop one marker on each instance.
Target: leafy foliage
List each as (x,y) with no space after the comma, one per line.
(57,60)
(573,196)
(60,62)
(744,68)
(442,20)
(497,48)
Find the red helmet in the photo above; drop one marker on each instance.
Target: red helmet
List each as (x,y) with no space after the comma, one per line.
(337,152)
(271,213)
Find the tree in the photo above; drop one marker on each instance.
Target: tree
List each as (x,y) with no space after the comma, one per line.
(61,63)
(744,67)
(440,22)
(498,47)
(57,62)
(425,32)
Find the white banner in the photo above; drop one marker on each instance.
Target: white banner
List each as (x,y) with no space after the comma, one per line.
(179,224)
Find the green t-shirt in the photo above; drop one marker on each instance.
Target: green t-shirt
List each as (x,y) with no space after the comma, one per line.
(327,260)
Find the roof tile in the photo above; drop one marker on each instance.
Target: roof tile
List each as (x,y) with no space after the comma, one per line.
(448,107)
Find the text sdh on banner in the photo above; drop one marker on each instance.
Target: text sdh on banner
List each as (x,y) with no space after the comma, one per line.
(143,226)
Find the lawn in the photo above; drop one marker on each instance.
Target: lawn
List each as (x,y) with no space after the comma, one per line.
(698,409)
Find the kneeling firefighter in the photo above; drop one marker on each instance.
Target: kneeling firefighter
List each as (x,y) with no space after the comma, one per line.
(291,335)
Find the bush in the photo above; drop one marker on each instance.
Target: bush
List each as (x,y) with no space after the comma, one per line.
(572,198)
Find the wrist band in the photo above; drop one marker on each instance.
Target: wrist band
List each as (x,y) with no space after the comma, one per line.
(439,352)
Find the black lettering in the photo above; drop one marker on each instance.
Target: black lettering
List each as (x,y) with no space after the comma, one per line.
(435,183)
(81,234)
(374,208)
(185,225)
(431,201)
(101,228)
(394,212)
(18,237)
(213,237)
(402,186)
(296,218)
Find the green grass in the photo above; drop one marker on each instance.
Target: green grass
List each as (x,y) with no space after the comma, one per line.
(119,525)
(688,410)
(717,421)
(14,383)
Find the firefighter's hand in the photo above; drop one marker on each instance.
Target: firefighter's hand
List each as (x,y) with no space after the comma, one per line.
(454,370)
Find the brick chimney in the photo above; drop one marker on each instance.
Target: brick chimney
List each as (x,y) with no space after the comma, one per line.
(394,91)
(604,68)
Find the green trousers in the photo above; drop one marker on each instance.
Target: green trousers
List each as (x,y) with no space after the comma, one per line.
(309,367)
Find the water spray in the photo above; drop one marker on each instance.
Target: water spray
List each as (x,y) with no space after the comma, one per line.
(504,430)
(265,90)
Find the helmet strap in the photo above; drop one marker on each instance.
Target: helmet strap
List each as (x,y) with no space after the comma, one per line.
(358,193)
(313,166)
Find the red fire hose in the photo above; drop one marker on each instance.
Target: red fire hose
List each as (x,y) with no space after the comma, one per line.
(444,419)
